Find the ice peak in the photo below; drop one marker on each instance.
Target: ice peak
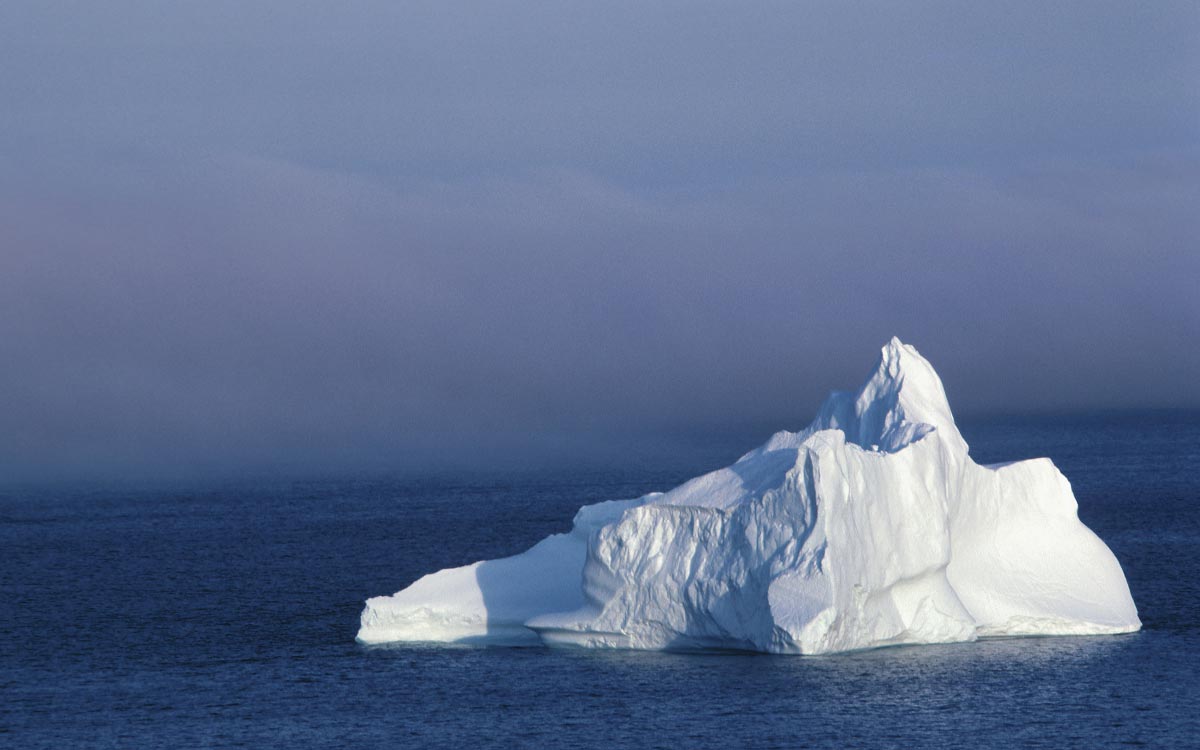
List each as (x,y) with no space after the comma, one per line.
(893,350)
(902,363)
(901,402)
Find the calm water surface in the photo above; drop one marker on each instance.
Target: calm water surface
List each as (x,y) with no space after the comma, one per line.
(225,616)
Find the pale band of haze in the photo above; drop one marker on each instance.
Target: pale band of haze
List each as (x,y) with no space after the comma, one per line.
(279,235)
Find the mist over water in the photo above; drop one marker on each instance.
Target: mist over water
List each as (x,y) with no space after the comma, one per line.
(277,238)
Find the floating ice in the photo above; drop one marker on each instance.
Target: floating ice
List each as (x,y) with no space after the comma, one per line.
(871,527)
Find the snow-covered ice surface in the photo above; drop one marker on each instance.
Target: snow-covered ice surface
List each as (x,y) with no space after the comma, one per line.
(871,527)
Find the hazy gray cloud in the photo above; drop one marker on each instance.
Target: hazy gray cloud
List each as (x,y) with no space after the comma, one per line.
(288,235)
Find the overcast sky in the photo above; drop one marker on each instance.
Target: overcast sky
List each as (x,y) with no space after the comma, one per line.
(255,235)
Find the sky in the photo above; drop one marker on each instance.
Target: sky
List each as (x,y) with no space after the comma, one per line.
(285,236)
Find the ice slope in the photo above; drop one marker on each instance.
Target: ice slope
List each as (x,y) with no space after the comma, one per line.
(871,527)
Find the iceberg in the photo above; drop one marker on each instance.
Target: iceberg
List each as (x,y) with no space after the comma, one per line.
(872,527)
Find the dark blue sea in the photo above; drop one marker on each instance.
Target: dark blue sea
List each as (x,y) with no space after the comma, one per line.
(224,614)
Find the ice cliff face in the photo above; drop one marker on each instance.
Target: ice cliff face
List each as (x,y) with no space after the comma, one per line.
(871,527)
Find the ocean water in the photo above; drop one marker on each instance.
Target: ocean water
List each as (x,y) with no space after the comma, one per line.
(224,616)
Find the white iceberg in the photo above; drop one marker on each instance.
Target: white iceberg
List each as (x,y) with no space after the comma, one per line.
(872,527)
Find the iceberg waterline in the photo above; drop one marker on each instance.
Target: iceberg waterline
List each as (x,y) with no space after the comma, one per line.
(871,527)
